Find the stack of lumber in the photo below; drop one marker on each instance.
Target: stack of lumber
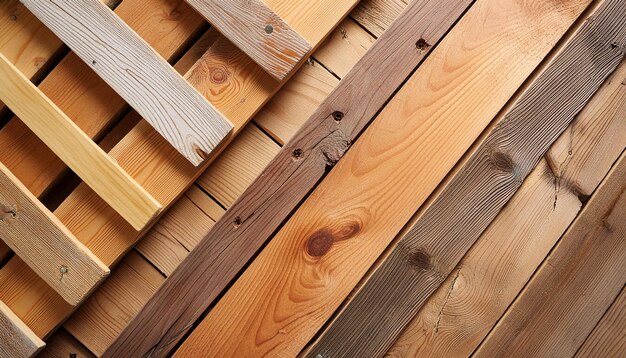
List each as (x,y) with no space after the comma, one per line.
(437,179)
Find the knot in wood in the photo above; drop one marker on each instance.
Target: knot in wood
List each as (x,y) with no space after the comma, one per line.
(218,75)
(7,212)
(323,239)
(502,161)
(334,146)
(420,259)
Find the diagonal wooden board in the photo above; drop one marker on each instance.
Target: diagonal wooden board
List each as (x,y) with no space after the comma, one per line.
(448,227)
(332,240)
(315,138)
(18,341)
(258,31)
(608,338)
(137,73)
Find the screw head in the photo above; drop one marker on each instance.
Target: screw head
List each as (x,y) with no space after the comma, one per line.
(269,29)
(63,269)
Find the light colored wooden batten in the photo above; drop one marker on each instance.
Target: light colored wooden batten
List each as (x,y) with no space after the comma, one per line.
(17,340)
(137,73)
(77,150)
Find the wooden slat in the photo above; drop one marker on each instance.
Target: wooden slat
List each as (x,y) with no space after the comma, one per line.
(376,16)
(576,284)
(445,230)
(42,241)
(522,235)
(236,85)
(16,339)
(260,220)
(75,148)
(258,31)
(138,73)
(608,338)
(63,345)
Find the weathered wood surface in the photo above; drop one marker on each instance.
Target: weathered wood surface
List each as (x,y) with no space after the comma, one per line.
(75,148)
(258,31)
(257,221)
(137,73)
(16,339)
(576,284)
(448,227)
(236,85)
(608,338)
(458,316)
(42,241)
(62,345)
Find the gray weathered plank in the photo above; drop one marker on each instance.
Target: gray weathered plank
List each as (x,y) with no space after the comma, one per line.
(16,339)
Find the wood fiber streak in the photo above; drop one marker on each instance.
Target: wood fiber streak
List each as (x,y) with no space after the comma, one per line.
(318,257)
(575,285)
(446,230)
(137,73)
(18,341)
(282,185)
(245,23)
(608,338)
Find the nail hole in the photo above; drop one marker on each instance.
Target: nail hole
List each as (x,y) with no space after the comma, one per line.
(422,45)
(269,29)
(13,18)
(93,62)
(237,222)
(73,355)
(338,116)
(297,154)
(613,44)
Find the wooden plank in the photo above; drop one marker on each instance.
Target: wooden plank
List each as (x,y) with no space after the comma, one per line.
(451,325)
(137,73)
(63,136)
(376,15)
(64,345)
(236,85)
(582,277)
(608,338)
(446,229)
(258,31)
(42,241)
(287,189)
(17,339)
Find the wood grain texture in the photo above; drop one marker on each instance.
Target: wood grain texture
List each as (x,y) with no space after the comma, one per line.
(458,316)
(376,16)
(447,228)
(18,341)
(236,85)
(63,345)
(137,73)
(75,148)
(324,146)
(576,284)
(258,31)
(42,241)
(608,338)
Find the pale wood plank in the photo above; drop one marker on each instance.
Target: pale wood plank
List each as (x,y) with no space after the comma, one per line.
(608,338)
(258,31)
(76,149)
(16,339)
(42,241)
(63,345)
(318,257)
(138,73)
(377,15)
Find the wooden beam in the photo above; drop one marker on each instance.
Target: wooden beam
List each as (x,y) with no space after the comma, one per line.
(18,341)
(138,73)
(42,241)
(608,338)
(63,345)
(77,150)
(258,31)
(583,275)
(279,190)
(446,229)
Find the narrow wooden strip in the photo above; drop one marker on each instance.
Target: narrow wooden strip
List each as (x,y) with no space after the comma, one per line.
(445,231)
(608,338)
(272,197)
(16,339)
(138,73)
(77,150)
(258,31)
(42,241)
(576,284)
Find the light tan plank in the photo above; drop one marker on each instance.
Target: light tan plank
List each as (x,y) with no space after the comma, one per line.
(44,243)
(77,150)
(377,15)
(258,31)
(16,339)
(138,73)
(608,338)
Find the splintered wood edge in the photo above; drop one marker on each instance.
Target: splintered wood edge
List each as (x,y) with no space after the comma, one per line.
(257,31)
(17,340)
(183,116)
(76,149)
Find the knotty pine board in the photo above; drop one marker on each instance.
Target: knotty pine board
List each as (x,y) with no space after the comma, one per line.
(327,245)
(576,284)
(608,338)
(137,73)
(271,213)
(17,339)
(236,86)
(78,91)
(523,233)
(445,230)
(63,345)
(258,31)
